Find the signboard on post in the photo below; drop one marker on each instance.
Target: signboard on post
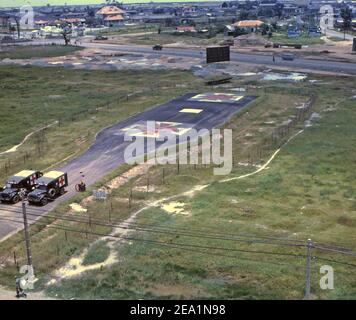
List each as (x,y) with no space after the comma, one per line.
(217,54)
(99,194)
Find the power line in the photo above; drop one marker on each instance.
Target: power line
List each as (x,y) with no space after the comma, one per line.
(187,247)
(350,253)
(137,227)
(335,261)
(191,231)
(202,231)
(130,226)
(161,242)
(178,247)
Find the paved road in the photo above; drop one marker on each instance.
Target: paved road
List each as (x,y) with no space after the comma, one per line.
(338,34)
(251,58)
(107,152)
(259,59)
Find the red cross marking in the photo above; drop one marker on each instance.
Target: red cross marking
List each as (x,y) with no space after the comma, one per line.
(33,179)
(61,181)
(219,97)
(161,126)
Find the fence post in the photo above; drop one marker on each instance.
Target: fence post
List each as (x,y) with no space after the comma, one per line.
(307,270)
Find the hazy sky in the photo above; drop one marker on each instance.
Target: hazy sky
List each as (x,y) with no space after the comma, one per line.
(14,3)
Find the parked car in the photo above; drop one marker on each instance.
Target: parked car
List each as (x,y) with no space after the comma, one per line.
(157,47)
(227,42)
(100,37)
(19,185)
(288,56)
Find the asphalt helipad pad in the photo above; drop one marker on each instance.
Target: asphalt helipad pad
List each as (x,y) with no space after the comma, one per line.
(186,112)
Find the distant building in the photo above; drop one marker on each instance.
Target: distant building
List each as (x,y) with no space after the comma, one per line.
(291,9)
(4,23)
(229,30)
(189,11)
(111,16)
(73,21)
(314,31)
(114,21)
(186,29)
(248,25)
(293,32)
(41,23)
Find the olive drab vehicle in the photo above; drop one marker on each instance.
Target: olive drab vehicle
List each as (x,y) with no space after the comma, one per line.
(19,185)
(49,186)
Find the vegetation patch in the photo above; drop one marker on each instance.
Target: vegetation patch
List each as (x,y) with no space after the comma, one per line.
(98,252)
(30,52)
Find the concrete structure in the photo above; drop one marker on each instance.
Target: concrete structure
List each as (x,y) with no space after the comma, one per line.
(111,16)
(114,21)
(248,25)
(186,29)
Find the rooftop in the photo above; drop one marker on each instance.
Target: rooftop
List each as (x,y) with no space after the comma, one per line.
(117,17)
(248,23)
(25,173)
(53,174)
(110,10)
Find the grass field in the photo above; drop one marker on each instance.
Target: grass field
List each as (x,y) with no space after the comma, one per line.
(308,191)
(303,39)
(28,52)
(83,102)
(130,29)
(166,38)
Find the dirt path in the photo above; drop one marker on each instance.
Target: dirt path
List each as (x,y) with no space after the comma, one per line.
(14,148)
(10,295)
(265,166)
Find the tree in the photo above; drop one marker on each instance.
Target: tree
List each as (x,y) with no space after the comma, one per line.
(264,29)
(168,22)
(66,32)
(18,26)
(224,5)
(279,10)
(265,13)
(243,15)
(346,15)
(90,20)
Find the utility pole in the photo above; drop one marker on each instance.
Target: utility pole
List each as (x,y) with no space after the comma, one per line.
(307,270)
(28,243)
